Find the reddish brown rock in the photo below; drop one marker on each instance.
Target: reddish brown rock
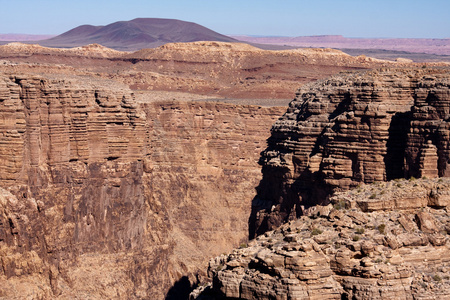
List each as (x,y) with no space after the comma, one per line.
(104,197)
(378,258)
(426,222)
(350,129)
(218,69)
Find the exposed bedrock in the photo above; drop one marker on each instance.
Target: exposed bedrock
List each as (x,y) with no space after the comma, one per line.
(349,129)
(103,197)
(340,252)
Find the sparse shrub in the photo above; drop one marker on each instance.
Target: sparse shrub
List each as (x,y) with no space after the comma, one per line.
(373,196)
(356,238)
(270,240)
(412,178)
(378,260)
(415,184)
(360,230)
(337,245)
(437,278)
(340,205)
(399,185)
(219,267)
(440,180)
(382,228)
(316,231)
(243,245)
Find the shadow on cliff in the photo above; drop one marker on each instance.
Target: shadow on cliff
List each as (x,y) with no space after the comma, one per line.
(396,146)
(281,198)
(277,203)
(181,289)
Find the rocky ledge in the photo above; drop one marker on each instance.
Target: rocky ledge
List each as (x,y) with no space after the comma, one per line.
(339,251)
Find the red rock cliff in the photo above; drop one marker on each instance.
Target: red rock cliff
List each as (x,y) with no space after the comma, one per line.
(105,198)
(349,129)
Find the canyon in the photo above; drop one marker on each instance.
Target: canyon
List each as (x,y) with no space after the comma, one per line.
(114,187)
(385,238)
(107,197)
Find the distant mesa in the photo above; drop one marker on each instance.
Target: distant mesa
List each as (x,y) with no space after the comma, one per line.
(414,45)
(136,34)
(17,37)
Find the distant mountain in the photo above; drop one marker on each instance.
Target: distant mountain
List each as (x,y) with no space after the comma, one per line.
(15,37)
(136,34)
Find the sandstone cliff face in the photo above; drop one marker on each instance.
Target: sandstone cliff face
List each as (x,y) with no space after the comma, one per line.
(105,198)
(340,252)
(73,156)
(350,129)
(203,165)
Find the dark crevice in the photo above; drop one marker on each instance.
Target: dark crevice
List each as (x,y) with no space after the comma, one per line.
(396,145)
(181,289)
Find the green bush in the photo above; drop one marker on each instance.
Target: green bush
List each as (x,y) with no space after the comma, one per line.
(340,205)
(382,228)
(316,231)
(243,245)
(360,230)
(219,267)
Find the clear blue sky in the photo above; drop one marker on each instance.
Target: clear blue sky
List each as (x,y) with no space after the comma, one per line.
(351,18)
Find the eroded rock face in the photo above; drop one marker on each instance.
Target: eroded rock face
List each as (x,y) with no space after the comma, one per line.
(351,129)
(104,198)
(340,252)
(73,155)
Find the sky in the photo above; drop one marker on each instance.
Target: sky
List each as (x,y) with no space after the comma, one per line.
(350,18)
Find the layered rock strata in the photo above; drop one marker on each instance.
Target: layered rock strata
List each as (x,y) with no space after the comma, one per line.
(342,252)
(350,129)
(103,197)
